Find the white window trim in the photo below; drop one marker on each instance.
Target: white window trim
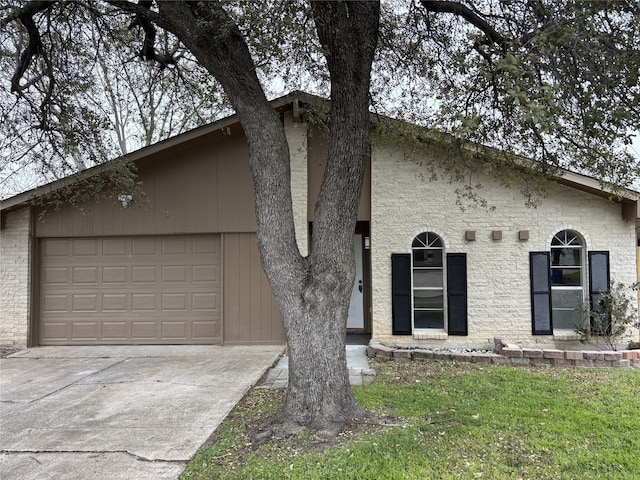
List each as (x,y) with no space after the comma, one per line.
(430,333)
(568,333)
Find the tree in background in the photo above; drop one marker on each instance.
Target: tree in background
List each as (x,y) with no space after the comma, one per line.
(496,81)
(111,104)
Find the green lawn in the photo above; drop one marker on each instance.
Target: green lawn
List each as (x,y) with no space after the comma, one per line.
(452,420)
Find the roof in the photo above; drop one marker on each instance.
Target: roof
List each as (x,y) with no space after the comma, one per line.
(629,199)
(284,103)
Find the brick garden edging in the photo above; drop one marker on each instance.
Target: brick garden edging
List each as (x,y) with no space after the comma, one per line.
(510,354)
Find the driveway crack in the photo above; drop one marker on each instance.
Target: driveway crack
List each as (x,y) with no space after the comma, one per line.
(92,452)
(70,384)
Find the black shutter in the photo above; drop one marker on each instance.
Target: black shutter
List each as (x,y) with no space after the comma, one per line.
(457,293)
(598,278)
(540,277)
(401,293)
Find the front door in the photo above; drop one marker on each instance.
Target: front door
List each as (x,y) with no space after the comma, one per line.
(356,307)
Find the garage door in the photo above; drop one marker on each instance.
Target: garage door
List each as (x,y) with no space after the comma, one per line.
(139,290)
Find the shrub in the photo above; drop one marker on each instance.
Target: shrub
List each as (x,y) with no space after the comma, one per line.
(611,318)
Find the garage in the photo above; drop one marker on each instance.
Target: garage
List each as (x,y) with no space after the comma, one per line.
(179,264)
(130,290)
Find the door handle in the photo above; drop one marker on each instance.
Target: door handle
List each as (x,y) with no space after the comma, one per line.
(360,285)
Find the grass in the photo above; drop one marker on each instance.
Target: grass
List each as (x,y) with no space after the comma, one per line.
(452,420)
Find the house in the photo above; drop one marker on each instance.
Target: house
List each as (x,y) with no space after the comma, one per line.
(184,268)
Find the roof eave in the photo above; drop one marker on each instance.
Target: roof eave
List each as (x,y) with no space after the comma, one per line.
(629,199)
(289,101)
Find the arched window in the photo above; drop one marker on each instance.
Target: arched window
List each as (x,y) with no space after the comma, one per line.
(427,252)
(567,279)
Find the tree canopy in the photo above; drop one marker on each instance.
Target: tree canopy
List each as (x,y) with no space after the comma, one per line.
(556,81)
(552,81)
(91,98)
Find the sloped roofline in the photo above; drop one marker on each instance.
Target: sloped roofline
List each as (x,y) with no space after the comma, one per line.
(282,104)
(629,199)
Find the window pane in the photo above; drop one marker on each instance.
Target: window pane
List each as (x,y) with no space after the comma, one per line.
(420,241)
(566,276)
(566,298)
(427,239)
(434,240)
(566,237)
(427,258)
(566,257)
(566,319)
(428,319)
(428,299)
(427,278)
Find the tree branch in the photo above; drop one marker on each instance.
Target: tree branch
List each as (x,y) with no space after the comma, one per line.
(25,17)
(348,32)
(461,10)
(148,51)
(29,10)
(147,20)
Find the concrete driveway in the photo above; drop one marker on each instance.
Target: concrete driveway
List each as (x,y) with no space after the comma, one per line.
(132,412)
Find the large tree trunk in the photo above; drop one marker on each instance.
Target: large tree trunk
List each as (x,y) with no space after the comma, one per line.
(313,292)
(319,393)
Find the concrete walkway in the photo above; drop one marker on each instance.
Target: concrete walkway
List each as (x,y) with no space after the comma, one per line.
(110,413)
(357,362)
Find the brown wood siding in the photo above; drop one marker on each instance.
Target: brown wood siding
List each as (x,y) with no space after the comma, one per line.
(203,188)
(251,314)
(130,290)
(317,159)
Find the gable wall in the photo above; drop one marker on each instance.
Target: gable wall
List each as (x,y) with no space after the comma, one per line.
(405,204)
(203,188)
(15,277)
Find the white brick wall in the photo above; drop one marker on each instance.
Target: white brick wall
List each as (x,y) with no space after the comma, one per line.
(405,203)
(15,277)
(297,138)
